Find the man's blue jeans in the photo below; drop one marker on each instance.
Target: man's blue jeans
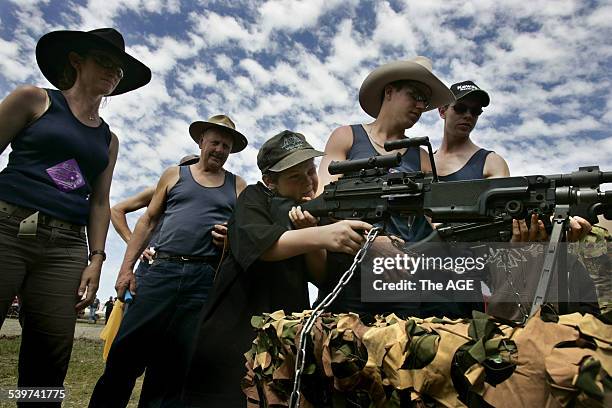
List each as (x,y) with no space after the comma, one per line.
(157,332)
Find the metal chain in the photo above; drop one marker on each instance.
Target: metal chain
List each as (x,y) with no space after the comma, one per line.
(300,360)
(510,280)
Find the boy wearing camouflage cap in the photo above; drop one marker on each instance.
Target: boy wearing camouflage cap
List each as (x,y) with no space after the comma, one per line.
(267,268)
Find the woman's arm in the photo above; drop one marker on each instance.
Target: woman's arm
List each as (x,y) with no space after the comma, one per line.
(20,108)
(97,227)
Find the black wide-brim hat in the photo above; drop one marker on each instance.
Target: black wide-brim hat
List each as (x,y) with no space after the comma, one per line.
(53,48)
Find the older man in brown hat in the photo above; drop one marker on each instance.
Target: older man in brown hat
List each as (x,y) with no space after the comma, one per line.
(395,94)
(157,331)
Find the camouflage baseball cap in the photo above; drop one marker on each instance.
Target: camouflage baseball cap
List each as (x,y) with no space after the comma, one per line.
(285,150)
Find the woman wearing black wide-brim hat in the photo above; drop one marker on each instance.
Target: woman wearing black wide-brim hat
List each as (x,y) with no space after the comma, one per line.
(54,192)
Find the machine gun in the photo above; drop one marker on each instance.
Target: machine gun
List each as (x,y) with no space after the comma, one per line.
(478,210)
(369,191)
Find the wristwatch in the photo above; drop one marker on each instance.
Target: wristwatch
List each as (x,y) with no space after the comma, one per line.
(98,252)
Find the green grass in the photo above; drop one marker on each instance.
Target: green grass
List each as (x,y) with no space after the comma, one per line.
(85,368)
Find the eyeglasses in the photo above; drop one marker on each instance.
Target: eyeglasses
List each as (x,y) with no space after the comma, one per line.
(107,62)
(461,109)
(418,96)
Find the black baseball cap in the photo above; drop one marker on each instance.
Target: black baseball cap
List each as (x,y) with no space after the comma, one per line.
(283,151)
(462,89)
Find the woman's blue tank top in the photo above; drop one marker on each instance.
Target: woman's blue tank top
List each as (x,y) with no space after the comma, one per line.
(54,163)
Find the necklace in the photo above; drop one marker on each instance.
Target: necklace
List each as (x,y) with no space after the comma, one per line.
(368,132)
(374,141)
(92,117)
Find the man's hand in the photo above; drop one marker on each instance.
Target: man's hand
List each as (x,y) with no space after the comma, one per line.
(219,233)
(342,236)
(578,229)
(125,281)
(147,255)
(90,280)
(535,233)
(302,219)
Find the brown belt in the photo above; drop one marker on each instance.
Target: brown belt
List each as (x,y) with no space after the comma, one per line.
(27,215)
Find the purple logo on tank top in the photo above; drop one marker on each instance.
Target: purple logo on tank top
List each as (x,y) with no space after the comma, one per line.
(66,175)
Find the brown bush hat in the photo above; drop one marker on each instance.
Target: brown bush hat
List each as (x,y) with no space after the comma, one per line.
(219,121)
(53,48)
(416,69)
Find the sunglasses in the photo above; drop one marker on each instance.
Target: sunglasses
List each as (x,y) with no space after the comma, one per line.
(461,109)
(106,62)
(418,96)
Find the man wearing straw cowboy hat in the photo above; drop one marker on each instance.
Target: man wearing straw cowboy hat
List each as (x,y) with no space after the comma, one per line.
(395,94)
(157,331)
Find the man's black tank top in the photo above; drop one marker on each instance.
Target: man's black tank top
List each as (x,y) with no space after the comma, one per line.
(472,170)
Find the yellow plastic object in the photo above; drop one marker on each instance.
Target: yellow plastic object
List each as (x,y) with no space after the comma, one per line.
(112,327)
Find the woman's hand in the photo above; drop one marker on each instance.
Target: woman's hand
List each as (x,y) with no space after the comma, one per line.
(90,281)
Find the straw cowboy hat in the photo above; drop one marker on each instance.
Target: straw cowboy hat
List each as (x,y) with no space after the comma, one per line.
(222,122)
(53,48)
(416,69)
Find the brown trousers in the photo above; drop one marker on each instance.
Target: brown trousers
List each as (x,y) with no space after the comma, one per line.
(45,271)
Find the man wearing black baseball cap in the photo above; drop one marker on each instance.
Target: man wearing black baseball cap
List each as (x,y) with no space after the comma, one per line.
(459,158)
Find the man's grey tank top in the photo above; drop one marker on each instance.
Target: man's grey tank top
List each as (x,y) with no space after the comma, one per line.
(362,148)
(472,170)
(155,235)
(191,212)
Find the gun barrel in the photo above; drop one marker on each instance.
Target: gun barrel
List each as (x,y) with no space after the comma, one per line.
(407,142)
(350,166)
(585,176)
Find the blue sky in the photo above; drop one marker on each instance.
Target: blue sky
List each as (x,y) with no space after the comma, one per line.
(289,64)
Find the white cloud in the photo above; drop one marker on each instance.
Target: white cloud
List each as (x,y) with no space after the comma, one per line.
(216,29)
(294,15)
(256,71)
(224,62)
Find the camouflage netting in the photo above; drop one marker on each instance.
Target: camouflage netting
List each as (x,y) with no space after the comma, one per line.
(480,362)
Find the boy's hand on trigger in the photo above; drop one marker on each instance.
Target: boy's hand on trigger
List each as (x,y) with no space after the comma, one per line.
(302,219)
(343,236)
